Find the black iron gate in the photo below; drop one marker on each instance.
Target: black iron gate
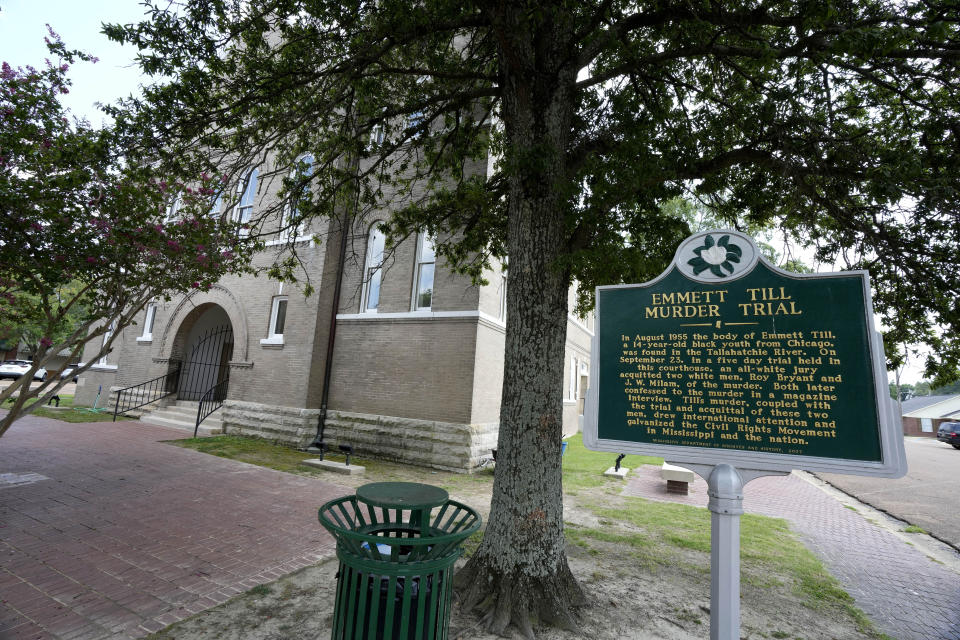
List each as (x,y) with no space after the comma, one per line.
(207,365)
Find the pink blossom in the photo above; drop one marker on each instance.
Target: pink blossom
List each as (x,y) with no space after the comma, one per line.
(196,285)
(45,342)
(91,259)
(205,176)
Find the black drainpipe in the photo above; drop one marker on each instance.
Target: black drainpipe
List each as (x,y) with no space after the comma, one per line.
(318,446)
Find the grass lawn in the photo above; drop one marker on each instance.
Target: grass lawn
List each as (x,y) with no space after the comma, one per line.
(655,536)
(66,412)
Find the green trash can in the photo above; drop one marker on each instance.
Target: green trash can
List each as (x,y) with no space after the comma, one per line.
(397,543)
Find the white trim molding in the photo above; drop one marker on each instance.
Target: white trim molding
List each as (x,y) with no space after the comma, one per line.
(579,324)
(424,315)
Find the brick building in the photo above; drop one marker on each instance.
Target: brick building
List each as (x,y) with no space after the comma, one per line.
(922,415)
(417,365)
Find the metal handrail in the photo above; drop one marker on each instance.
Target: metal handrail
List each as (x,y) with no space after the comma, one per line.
(156,389)
(210,401)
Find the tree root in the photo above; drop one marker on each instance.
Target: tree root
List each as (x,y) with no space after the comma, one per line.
(522,601)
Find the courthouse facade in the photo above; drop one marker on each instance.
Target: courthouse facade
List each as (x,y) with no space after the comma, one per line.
(417,360)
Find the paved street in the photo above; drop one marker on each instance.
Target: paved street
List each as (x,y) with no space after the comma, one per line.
(107,533)
(906,593)
(928,496)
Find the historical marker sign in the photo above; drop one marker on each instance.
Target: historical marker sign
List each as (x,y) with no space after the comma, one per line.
(725,358)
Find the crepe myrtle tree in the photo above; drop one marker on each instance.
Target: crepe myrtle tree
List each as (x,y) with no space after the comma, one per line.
(837,122)
(84,242)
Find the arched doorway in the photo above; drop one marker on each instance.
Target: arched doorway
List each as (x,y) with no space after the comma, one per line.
(206,343)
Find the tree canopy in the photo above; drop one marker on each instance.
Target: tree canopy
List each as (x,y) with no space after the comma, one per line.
(555,132)
(836,121)
(85,240)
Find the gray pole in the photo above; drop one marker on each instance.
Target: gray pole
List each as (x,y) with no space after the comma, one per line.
(725,487)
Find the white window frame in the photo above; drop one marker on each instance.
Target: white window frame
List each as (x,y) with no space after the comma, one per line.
(272,336)
(102,362)
(503,297)
(926,425)
(247,190)
(173,208)
(377,136)
(149,318)
(418,272)
(372,271)
(414,121)
(574,375)
(217,205)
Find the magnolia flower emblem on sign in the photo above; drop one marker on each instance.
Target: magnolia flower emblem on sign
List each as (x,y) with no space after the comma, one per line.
(715,256)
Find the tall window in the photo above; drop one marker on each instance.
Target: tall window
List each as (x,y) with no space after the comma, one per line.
(216,205)
(290,226)
(373,271)
(173,209)
(278,318)
(414,121)
(572,391)
(426,258)
(376,136)
(148,322)
(106,338)
(248,193)
(503,294)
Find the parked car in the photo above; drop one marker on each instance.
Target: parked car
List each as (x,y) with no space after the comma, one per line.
(69,372)
(949,432)
(19,368)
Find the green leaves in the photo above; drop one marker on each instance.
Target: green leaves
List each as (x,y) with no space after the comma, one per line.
(835,122)
(84,239)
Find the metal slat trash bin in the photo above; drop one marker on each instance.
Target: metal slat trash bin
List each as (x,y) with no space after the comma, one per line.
(397,543)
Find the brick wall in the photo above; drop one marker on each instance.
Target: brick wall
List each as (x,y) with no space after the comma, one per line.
(913,426)
(405,367)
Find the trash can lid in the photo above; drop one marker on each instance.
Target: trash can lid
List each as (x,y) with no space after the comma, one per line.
(402,495)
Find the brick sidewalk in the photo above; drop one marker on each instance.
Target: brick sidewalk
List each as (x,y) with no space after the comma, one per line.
(905,593)
(107,533)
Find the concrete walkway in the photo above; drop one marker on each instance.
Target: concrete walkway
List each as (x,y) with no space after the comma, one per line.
(105,532)
(905,592)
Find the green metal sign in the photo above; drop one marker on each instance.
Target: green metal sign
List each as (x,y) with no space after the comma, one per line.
(726,358)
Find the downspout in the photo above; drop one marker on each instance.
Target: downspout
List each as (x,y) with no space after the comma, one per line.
(318,445)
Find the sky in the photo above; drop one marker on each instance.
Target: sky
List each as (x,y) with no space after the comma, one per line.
(23,28)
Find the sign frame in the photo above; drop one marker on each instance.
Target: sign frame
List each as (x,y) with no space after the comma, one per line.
(890,434)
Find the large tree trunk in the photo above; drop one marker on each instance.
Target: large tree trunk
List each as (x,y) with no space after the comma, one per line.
(519,574)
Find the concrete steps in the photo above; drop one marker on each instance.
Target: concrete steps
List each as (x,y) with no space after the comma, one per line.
(183,415)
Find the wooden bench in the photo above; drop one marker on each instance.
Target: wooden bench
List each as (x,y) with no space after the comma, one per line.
(678,478)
